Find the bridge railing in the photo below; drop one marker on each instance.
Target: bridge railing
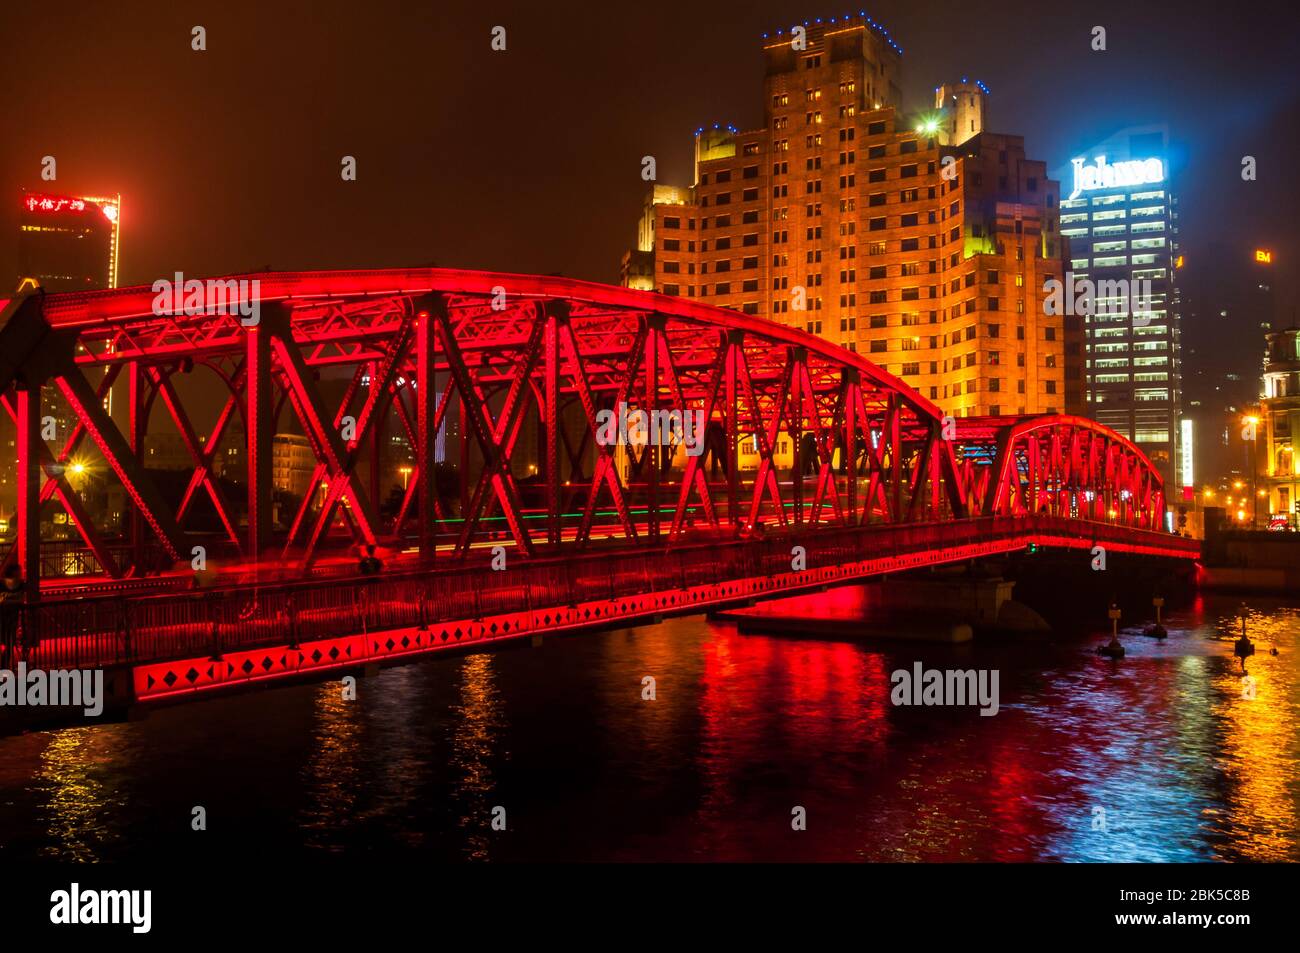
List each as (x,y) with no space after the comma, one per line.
(105,631)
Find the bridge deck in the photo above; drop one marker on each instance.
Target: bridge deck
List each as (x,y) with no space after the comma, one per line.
(213,638)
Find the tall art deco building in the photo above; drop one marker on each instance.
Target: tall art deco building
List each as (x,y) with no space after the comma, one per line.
(920,241)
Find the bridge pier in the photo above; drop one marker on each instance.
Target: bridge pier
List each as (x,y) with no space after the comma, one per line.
(977,601)
(948,607)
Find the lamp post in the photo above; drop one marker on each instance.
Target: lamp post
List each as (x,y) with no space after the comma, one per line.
(405,471)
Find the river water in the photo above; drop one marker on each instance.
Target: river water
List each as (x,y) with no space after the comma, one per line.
(1163,756)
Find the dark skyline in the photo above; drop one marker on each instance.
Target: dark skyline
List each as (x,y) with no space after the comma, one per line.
(529,160)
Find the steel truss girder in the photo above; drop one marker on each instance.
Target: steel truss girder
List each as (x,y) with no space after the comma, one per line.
(1067,466)
(835,440)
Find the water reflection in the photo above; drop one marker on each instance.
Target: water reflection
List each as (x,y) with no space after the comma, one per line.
(1160,756)
(780,722)
(1259,712)
(475,741)
(398,760)
(332,775)
(77,783)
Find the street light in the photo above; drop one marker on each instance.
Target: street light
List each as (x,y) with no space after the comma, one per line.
(928,125)
(405,471)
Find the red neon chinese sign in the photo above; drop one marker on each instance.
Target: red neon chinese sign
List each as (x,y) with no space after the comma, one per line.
(53,203)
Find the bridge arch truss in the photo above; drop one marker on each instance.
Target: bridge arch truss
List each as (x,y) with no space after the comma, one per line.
(499,394)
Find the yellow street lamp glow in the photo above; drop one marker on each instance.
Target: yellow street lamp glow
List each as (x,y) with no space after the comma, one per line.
(1237,485)
(1241,516)
(1252,420)
(77,469)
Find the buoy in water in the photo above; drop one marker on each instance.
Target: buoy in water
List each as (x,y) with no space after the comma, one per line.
(1157,631)
(1112,649)
(1244,648)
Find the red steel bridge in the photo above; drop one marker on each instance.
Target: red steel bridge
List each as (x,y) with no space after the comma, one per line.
(490,393)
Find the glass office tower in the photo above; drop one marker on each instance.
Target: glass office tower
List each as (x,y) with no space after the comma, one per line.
(1120,221)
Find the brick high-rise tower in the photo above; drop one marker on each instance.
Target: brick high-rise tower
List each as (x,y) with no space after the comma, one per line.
(923,242)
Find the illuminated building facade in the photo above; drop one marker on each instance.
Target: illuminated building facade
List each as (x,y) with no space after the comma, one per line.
(923,243)
(1278,461)
(292,463)
(1120,220)
(69,242)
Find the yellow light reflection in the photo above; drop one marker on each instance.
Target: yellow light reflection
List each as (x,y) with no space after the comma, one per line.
(71,773)
(474,743)
(1259,745)
(333,772)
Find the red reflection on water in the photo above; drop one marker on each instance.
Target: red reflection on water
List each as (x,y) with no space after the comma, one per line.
(781,718)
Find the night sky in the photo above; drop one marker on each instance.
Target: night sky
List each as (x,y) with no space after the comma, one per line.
(529,160)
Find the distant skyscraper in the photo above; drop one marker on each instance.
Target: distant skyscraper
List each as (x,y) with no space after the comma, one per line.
(922,242)
(1120,220)
(68,242)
